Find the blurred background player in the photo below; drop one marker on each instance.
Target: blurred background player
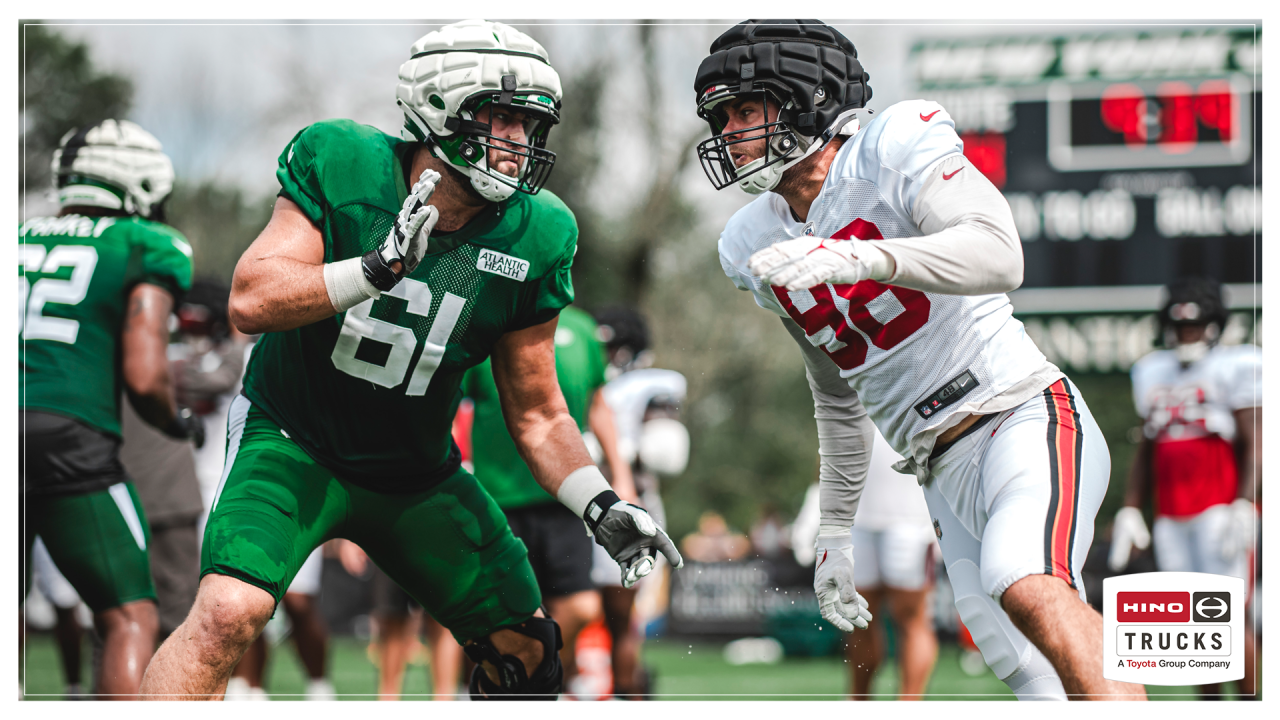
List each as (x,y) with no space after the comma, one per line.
(163,470)
(1200,457)
(895,551)
(559,549)
(651,440)
(398,619)
(97,286)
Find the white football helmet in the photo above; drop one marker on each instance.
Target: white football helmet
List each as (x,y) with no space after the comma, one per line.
(457,70)
(115,165)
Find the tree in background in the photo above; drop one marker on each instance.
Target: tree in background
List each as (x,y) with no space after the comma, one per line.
(60,89)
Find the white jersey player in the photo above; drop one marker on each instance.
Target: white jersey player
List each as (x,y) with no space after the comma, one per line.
(1201,455)
(887,255)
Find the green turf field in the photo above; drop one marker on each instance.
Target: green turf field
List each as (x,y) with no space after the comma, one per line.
(683,671)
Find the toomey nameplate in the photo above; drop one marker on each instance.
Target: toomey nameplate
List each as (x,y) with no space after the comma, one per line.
(1173,628)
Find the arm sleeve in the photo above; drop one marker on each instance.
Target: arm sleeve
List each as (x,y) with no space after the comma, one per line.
(971,244)
(845,435)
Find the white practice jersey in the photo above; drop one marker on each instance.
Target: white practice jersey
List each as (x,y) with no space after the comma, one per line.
(1188,415)
(1179,403)
(915,359)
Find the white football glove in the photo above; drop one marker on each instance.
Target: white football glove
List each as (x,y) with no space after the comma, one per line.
(1238,535)
(807,261)
(839,602)
(1128,531)
(407,241)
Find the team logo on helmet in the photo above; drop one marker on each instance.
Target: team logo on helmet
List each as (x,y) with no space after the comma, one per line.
(804,73)
(115,165)
(462,78)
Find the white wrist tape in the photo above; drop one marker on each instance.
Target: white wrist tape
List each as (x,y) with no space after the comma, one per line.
(828,533)
(347,284)
(878,261)
(580,487)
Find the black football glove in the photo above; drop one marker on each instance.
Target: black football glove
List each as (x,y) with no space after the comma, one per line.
(630,535)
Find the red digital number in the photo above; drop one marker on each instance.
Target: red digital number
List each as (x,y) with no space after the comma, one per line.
(1216,107)
(1182,111)
(987,153)
(1123,110)
(825,314)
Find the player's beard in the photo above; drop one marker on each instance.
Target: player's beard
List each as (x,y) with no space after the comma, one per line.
(796,175)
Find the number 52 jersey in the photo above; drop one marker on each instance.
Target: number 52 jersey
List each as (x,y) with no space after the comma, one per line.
(916,359)
(75,274)
(371,393)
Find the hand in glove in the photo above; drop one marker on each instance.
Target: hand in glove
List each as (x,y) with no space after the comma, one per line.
(807,261)
(186,426)
(630,535)
(1238,535)
(1127,532)
(839,602)
(406,244)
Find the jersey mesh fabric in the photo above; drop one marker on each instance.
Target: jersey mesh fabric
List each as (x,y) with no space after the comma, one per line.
(865,196)
(580,364)
(74,369)
(336,386)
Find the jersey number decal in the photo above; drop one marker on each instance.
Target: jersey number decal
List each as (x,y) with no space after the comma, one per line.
(824,318)
(32,323)
(358,325)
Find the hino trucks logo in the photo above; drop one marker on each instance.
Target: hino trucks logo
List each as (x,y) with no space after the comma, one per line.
(1212,607)
(1173,628)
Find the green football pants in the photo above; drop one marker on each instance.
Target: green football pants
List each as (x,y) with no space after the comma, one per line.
(449,547)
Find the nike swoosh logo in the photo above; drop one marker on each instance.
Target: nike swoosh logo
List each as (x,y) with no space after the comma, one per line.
(929,117)
(948,177)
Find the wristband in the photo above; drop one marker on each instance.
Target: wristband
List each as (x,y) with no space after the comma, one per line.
(833,536)
(879,262)
(580,487)
(346,284)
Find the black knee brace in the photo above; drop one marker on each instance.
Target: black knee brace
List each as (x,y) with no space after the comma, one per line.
(547,680)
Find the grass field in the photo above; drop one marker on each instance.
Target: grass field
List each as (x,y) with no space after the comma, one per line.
(684,671)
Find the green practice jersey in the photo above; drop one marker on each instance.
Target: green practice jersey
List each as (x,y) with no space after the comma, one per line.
(580,364)
(371,393)
(75,276)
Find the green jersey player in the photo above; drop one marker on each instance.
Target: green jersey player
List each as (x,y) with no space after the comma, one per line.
(389,267)
(96,285)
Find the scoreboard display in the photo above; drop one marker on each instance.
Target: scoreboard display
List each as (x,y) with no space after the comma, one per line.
(1128,158)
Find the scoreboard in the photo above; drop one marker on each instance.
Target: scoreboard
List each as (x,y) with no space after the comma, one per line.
(1129,158)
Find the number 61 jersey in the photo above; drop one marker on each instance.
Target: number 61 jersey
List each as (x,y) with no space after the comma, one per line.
(371,393)
(915,358)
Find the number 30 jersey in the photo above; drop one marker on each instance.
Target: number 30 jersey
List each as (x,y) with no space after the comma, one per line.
(916,359)
(371,393)
(75,274)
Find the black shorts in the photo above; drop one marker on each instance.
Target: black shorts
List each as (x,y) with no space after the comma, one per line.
(61,456)
(559,547)
(389,599)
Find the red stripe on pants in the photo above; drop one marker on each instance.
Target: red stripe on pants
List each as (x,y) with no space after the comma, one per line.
(1067,472)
